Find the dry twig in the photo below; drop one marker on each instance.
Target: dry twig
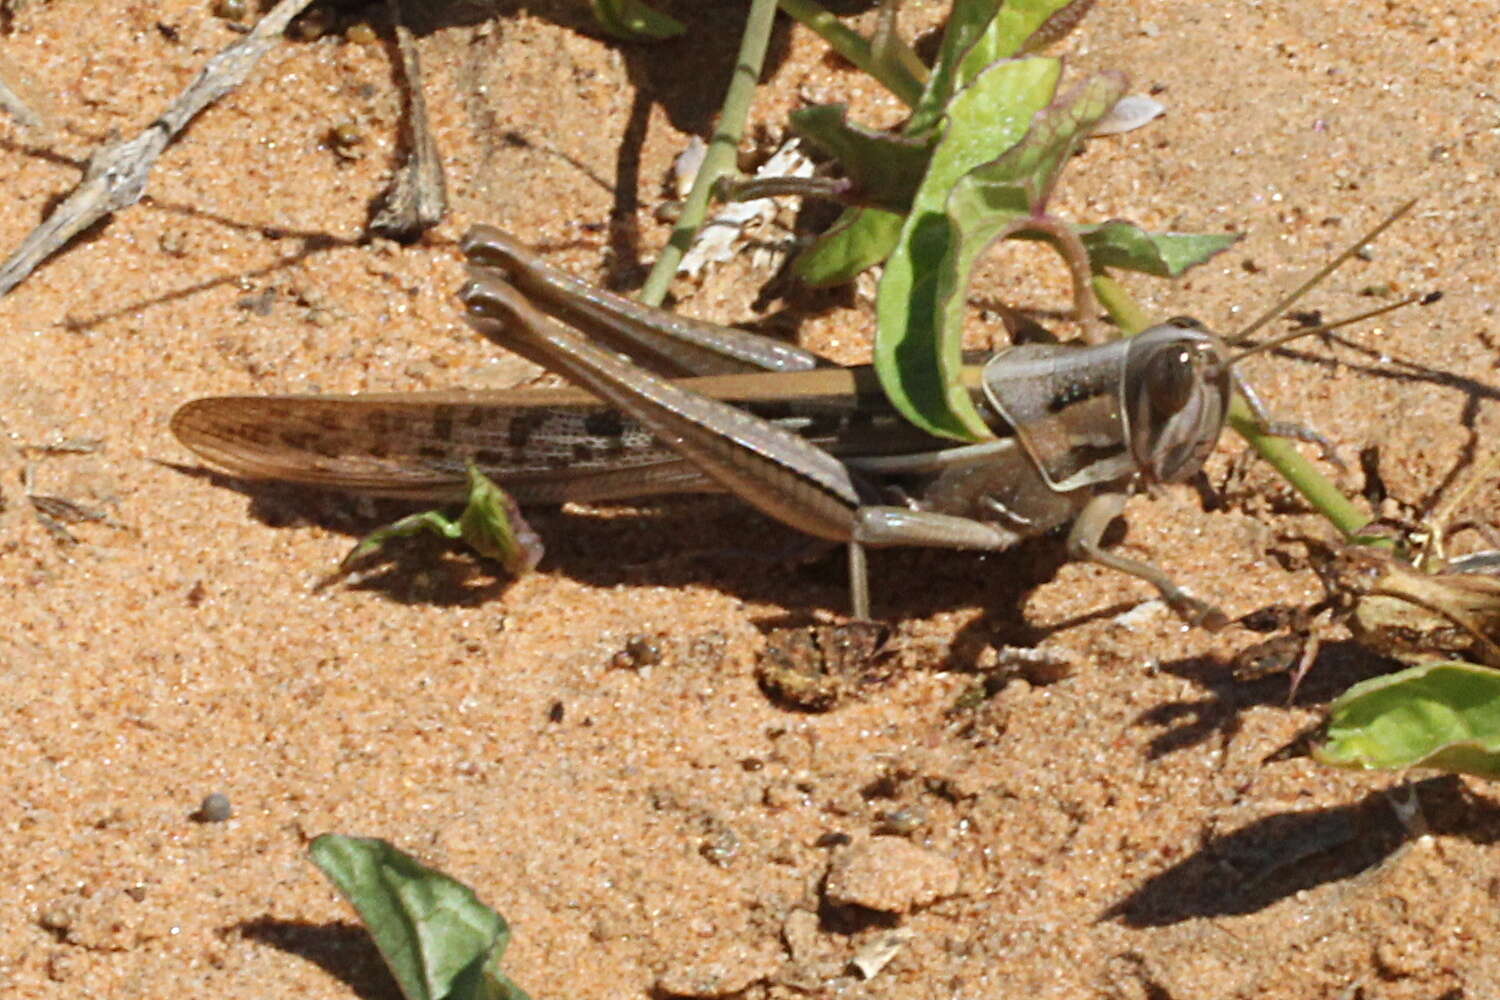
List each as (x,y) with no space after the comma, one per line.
(418,197)
(116,174)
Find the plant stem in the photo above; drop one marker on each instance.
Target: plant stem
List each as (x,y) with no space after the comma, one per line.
(1123,309)
(1283,456)
(753,188)
(1076,256)
(1302,474)
(849,44)
(721,150)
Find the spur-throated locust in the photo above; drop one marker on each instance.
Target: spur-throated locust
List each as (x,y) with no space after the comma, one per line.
(676,405)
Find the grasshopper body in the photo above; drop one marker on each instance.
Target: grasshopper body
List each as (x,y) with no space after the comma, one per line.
(675,405)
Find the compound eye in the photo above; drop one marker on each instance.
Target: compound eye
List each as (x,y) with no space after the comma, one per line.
(1171,377)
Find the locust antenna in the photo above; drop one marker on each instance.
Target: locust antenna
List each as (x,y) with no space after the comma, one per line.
(1308,331)
(1323,272)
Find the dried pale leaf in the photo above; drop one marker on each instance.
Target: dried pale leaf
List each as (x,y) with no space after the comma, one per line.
(1409,614)
(1129,113)
(686,164)
(876,954)
(718,238)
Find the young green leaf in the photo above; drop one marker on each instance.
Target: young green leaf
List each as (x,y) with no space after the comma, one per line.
(863,237)
(982,32)
(988,178)
(884,170)
(491,524)
(859,239)
(1022,26)
(1441,715)
(1125,246)
(439,941)
(634,21)
(1027,172)
(967,23)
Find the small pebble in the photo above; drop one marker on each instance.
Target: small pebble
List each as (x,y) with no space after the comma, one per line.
(720,847)
(214,808)
(889,874)
(361,34)
(639,652)
(58,916)
(231,10)
(347,133)
(312,25)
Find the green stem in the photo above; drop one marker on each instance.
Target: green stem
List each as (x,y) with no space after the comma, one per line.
(1302,474)
(720,158)
(897,79)
(1283,456)
(1123,309)
(890,49)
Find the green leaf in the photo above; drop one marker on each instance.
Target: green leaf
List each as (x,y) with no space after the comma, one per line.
(491,524)
(885,169)
(982,32)
(863,237)
(967,22)
(858,239)
(894,74)
(919,309)
(1166,255)
(1442,715)
(1025,174)
(439,941)
(634,21)
(1022,26)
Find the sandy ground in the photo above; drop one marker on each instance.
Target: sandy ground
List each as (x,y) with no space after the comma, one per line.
(1127,831)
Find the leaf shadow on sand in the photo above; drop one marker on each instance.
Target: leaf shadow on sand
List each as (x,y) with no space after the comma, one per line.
(1278,856)
(343,950)
(1218,711)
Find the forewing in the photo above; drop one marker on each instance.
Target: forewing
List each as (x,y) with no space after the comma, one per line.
(416,445)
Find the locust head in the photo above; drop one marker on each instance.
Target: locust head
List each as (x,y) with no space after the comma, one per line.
(1147,409)
(1175,388)
(1177,382)
(1179,379)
